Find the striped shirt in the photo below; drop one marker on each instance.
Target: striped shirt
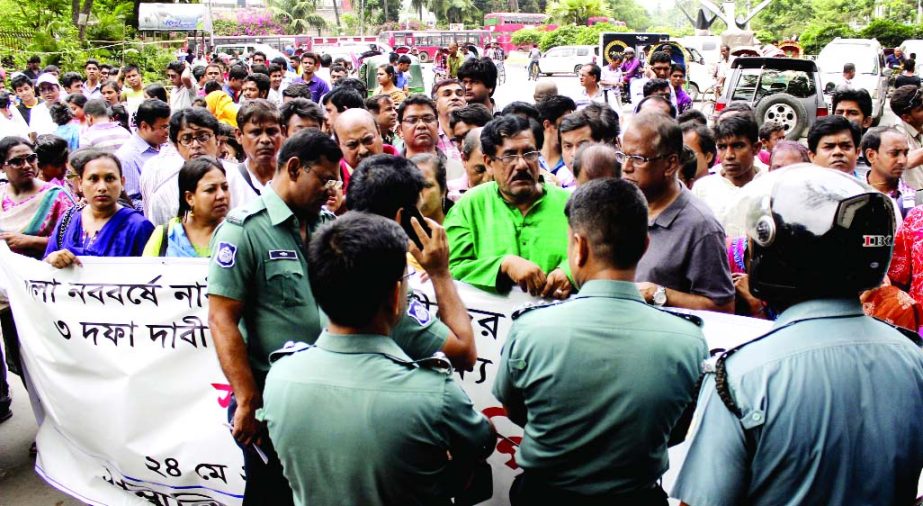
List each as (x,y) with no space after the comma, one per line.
(107,136)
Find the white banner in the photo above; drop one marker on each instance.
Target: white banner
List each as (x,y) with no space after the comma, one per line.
(123,368)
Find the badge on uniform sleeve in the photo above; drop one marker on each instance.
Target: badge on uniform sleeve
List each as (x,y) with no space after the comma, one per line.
(226,254)
(283,254)
(418,312)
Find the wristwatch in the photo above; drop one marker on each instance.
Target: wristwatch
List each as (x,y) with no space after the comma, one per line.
(660,296)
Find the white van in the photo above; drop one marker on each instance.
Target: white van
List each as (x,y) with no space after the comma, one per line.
(871,73)
(567,59)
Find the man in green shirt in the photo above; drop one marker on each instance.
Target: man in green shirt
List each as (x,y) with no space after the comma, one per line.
(600,381)
(453,59)
(354,418)
(511,231)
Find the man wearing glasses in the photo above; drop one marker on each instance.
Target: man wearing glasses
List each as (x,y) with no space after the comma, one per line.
(418,125)
(907,104)
(686,263)
(511,231)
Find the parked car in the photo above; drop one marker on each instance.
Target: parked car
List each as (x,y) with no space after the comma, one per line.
(871,72)
(912,46)
(784,90)
(246,49)
(567,59)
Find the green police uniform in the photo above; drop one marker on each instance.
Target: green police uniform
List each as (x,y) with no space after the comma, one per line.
(356,421)
(599,382)
(259,259)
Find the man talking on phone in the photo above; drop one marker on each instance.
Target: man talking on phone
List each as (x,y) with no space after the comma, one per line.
(511,231)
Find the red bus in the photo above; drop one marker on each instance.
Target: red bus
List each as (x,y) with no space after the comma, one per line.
(602,19)
(503,24)
(428,42)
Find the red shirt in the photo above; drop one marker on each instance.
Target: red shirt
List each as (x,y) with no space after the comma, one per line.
(346,170)
(907,263)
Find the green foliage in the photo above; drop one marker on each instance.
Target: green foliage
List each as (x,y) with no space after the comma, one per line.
(350,24)
(589,35)
(889,33)
(577,11)
(672,30)
(527,36)
(817,35)
(782,19)
(150,59)
(632,13)
(563,36)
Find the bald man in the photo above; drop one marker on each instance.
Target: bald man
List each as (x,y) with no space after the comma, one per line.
(543,90)
(356,131)
(596,161)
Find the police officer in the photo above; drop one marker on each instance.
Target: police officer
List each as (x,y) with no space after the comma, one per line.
(823,409)
(599,381)
(258,278)
(354,418)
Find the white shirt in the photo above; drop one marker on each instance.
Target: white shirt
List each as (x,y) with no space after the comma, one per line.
(610,75)
(181,97)
(160,186)
(40,120)
(13,125)
(723,197)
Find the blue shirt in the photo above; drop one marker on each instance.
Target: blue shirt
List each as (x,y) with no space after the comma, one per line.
(401,80)
(318,87)
(133,155)
(830,414)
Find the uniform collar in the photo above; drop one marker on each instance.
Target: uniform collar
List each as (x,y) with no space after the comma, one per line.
(361,343)
(668,215)
(610,288)
(820,308)
(278,210)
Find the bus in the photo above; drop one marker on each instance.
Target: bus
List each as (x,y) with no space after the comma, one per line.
(430,41)
(603,19)
(503,24)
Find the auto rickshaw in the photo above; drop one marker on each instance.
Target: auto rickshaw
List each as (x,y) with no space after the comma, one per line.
(367,74)
(791,48)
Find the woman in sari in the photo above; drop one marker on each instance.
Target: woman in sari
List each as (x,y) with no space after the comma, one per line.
(104,227)
(30,207)
(387,85)
(204,201)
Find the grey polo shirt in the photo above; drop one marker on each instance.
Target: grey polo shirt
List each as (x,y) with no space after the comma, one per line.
(688,251)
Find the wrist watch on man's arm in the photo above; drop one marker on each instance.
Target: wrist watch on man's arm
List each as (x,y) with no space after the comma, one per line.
(660,296)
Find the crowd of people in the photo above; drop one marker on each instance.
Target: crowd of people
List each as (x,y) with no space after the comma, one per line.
(315,202)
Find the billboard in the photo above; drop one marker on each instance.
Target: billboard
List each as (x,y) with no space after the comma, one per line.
(171,17)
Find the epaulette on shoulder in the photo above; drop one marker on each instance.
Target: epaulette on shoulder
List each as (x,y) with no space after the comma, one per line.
(909,334)
(697,321)
(290,348)
(521,310)
(239,215)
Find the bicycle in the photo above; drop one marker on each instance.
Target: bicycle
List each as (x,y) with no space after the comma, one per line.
(533,71)
(501,71)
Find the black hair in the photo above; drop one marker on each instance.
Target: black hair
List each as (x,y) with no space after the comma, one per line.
(198,72)
(61,114)
(444,82)
(872,138)
(471,114)
(830,125)
(280,61)
(10,142)
(737,107)
(259,69)
(661,57)
(523,109)
(850,67)
(738,124)
(861,97)
(415,99)
(393,57)
(595,71)
(707,142)
(21,80)
(274,67)
(111,83)
(297,90)
(50,69)
(602,120)
(612,215)
(336,67)
(96,108)
(507,126)
(130,67)
(257,110)
(308,54)
(238,72)
(383,184)
(78,99)
(344,98)
(192,116)
(190,175)
(389,70)
(258,53)
(693,115)
(212,86)
(4,99)
(768,128)
(655,85)
(910,65)
(357,249)
(226,136)
(178,67)
(262,82)
(373,103)
(301,107)
(82,157)
(554,107)
(480,69)
(676,67)
(150,111)
(326,60)
(51,150)
(657,98)
(68,79)
(35,59)
(355,84)
(310,147)
(119,114)
(404,59)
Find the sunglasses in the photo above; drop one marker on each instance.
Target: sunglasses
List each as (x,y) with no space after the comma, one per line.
(21,161)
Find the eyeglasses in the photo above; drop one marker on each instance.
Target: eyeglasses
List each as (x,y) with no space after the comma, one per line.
(329,184)
(636,159)
(413,120)
(530,157)
(21,161)
(201,138)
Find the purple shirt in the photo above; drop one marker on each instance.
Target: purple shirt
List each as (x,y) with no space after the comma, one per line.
(683,101)
(630,69)
(318,87)
(133,155)
(107,136)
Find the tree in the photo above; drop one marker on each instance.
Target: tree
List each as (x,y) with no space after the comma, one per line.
(298,16)
(817,35)
(635,16)
(589,35)
(563,36)
(577,11)
(889,33)
(527,37)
